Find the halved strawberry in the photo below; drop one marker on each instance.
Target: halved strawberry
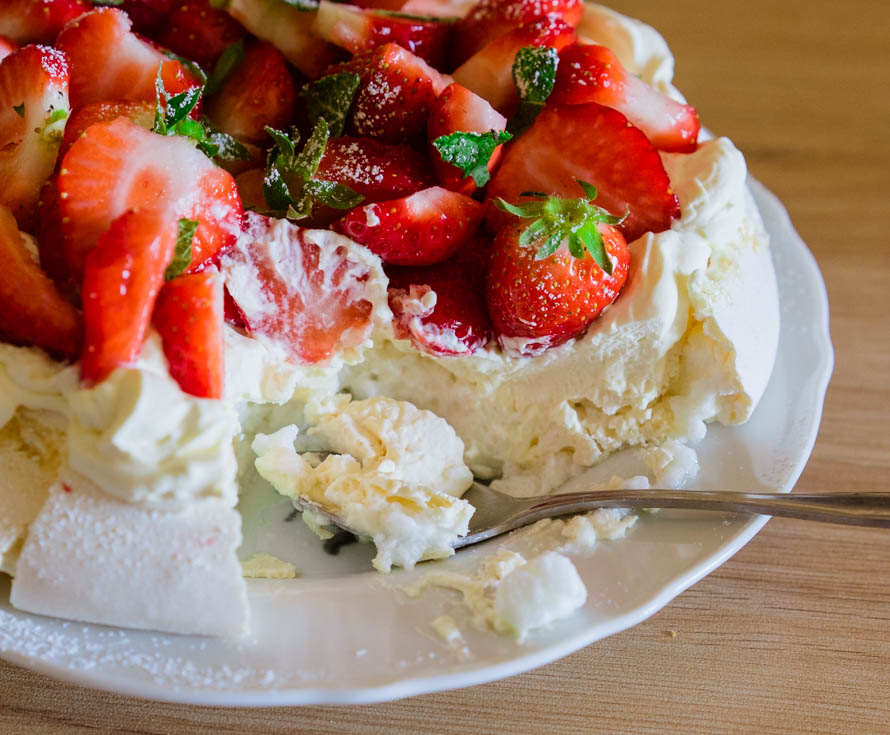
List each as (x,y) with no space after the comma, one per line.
(141,113)
(458,109)
(258,92)
(287,26)
(147,15)
(304,293)
(123,275)
(457,323)
(545,285)
(118,166)
(489,19)
(189,317)
(38,21)
(108,62)
(591,73)
(32,311)
(421,229)
(33,111)
(7,46)
(374,169)
(396,91)
(596,144)
(489,72)
(196,30)
(362,29)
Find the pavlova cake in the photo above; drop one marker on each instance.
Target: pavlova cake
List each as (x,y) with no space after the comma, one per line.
(374,251)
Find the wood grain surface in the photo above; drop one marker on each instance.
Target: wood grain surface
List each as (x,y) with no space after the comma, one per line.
(793,634)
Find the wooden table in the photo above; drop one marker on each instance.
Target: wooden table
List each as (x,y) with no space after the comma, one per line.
(793,634)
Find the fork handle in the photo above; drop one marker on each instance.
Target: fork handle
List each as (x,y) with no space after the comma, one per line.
(855,509)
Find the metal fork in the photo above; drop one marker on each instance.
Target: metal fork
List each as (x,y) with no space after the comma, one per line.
(497,513)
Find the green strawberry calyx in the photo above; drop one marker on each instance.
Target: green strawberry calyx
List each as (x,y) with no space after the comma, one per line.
(557,219)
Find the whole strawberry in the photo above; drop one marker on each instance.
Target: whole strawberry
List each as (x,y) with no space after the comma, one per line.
(548,280)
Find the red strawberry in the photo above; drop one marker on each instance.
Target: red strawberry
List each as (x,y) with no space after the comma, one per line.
(392,5)
(358,29)
(396,91)
(7,46)
(376,170)
(108,62)
(288,27)
(303,293)
(189,317)
(458,323)
(198,31)
(51,243)
(590,73)
(421,229)
(38,21)
(489,72)
(596,144)
(33,110)
(32,311)
(250,189)
(123,275)
(458,109)
(490,19)
(258,92)
(141,113)
(148,16)
(117,166)
(538,303)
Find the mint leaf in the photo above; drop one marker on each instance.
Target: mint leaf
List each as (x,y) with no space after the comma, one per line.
(19,110)
(276,190)
(471,152)
(222,146)
(306,163)
(534,74)
(333,194)
(179,106)
(110,3)
(227,62)
(286,145)
(330,98)
(182,257)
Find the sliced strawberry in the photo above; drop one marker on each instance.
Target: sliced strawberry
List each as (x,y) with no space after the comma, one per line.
(539,303)
(421,229)
(123,275)
(595,144)
(303,293)
(591,73)
(118,166)
(108,62)
(189,317)
(490,19)
(287,26)
(458,109)
(458,322)
(38,21)
(196,30)
(489,72)
(445,9)
(395,95)
(148,16)
(259,92)
(32,311)
(250,189)
(141,113)
(376,170)
(33,111)
(359,29)
(51,243)
(7,46)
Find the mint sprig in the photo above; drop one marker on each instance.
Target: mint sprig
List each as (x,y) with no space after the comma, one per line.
(534,74)
(182,257)
(172,118)
(290,186)
(225,65)
(557,219)
(331,98)
(471,152)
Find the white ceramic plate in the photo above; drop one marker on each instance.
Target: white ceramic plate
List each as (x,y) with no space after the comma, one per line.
(342,634)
